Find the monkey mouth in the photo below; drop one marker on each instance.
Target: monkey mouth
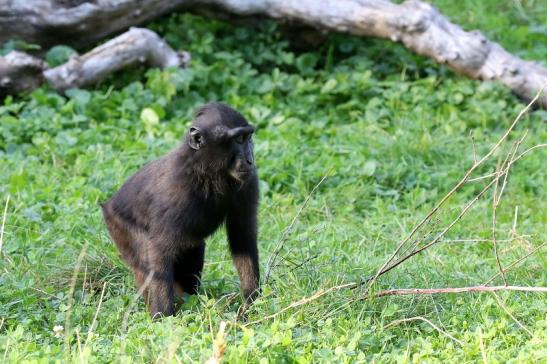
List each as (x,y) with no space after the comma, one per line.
(245,171)
(241,174)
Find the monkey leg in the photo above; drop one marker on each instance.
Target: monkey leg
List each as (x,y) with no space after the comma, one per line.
(125,237)
(126,242)
(160,293)
(187,269)
(143,281)
(160,297)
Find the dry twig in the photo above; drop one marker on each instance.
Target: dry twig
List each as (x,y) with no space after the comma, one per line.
(382,269)
(501,172)
(420,318)
(3,223)
(495,204)
(320,293)
(414,291)
(288,230)
(515,263)
(92,326)
(398,292)
(504,307)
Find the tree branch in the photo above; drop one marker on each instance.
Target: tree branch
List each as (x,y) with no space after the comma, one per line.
(386,267)
(22,72)
(417,25)
(398,292)
(134,46)
(414,291)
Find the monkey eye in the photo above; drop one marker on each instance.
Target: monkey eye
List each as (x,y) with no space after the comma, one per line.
(240,139)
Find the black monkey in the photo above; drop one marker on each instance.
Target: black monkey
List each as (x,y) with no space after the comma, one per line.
(162,214)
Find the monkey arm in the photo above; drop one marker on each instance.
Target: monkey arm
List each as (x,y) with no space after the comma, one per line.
(241,225)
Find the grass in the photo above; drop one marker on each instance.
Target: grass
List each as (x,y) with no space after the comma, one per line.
(393,131)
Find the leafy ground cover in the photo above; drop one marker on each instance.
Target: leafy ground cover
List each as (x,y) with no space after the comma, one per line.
(393,131)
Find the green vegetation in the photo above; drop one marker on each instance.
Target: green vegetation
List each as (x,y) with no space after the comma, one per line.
(392,129)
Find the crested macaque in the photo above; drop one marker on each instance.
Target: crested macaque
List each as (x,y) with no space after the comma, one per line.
(161,215)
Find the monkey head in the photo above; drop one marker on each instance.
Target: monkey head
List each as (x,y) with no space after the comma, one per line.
(221,139)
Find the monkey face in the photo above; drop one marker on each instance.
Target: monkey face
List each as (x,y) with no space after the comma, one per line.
(222,140)
(242,162)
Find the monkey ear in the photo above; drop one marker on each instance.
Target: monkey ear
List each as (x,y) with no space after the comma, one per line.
(195,140)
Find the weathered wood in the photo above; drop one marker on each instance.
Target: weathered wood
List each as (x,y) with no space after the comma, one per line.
(22,72)
(136,45)
(416,24)
(77,23)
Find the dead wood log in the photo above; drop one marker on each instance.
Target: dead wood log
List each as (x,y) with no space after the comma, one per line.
(416,24)
(78,23)
(22,72)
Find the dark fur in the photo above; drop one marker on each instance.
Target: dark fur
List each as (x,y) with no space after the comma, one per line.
(162,214)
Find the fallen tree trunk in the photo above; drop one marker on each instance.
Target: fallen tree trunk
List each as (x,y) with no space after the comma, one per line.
(418,25)
(22,72)
(77,23)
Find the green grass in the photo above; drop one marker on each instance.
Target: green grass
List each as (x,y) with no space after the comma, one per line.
(392,129)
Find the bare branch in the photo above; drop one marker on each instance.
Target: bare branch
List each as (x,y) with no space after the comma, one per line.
(397,292)
(288,230)
(320,293)
(441,234)
(134,46)
(21,72)
(506,269)
(386,267)
(414,291)
(509,164)
(494,243)
(479,240)
(383,269)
